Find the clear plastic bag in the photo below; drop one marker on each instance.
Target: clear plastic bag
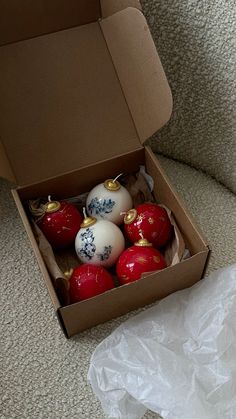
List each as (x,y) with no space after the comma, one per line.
(177,358)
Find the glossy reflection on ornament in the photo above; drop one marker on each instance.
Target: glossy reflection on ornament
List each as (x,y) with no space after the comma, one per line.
(60,223)
(137,260)
(152,221)
(87,281)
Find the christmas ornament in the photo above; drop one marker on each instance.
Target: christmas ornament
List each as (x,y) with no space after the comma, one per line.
(87,281)
(99,242)
(152,221)
(108,201)
(60,222)
(138,259)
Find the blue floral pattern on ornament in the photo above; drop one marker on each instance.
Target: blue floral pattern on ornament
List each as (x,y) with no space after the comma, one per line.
(88,247)
(106,253)
(101,206)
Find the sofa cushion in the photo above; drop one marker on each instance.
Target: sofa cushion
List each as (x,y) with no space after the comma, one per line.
(196,43)
(212,205)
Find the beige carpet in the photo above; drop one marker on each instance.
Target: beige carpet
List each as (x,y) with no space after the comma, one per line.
(43,375)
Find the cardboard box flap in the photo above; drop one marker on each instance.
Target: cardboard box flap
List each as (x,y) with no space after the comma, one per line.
(26,19)
(109,7)
(62,106)
(139,70)
(23,19)
(5,167)
(79,96)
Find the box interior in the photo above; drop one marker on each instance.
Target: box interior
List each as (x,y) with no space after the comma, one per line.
(69,111)
(84,179)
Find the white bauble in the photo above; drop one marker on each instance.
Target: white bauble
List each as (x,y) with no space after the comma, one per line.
(108,200)
(99,243)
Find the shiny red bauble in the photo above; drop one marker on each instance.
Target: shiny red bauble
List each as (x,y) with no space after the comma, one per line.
(60,223)
(150,221)
(87,281)
(138,259)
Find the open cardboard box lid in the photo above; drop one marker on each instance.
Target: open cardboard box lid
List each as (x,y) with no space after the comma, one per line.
(76,96)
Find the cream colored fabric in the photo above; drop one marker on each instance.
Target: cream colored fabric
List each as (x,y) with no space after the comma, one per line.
(42,374)
(212,205)
(197,44)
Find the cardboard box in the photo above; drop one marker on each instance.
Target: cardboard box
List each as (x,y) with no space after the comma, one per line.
(77,105)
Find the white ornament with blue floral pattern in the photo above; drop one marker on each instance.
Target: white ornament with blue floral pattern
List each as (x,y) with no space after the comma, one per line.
(109,201)
(99,242)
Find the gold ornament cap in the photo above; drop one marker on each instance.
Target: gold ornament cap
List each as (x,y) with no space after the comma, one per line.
(88,222)
(130,216)
(112,185)
(52,206)
(143,243)
(68,273)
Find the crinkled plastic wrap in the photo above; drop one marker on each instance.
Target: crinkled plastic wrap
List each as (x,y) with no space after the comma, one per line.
(177,359)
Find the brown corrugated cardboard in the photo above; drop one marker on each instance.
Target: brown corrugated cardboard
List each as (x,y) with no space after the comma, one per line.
(77,317)
(166,193)
(5,167)
(26,19)
(109,7)
(58,108)
(38,255)
(73,183)
(139,70)
(76,106)
(80,316)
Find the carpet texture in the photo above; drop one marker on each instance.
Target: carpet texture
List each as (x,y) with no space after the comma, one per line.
(197,46)
(43,375)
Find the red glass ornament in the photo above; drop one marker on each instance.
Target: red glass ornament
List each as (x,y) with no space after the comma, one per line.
(138,259)
(151,221)
(60,223)
(87,281)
